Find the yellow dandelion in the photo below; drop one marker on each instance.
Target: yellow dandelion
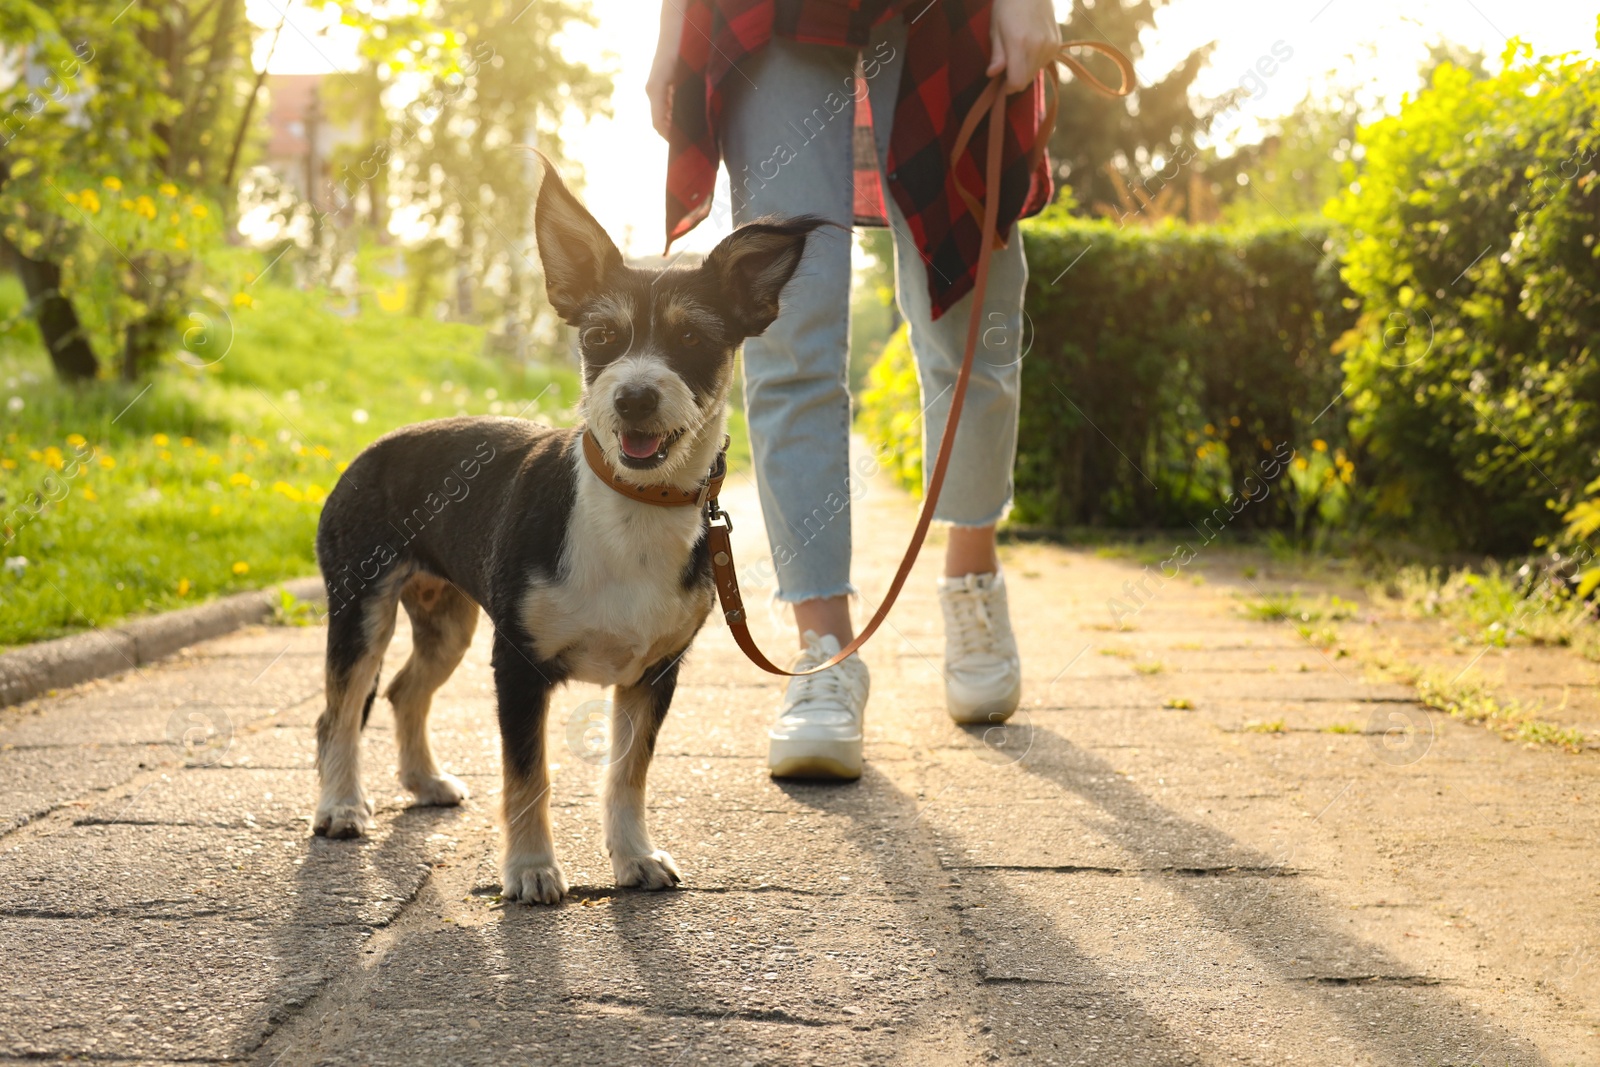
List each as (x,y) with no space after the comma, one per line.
(53,458)
(184,587)
(186,442)
(216,509)
(107,462)
(114,184)
(8,464)
(198,210)
(89,494)
(285,489)
(1234,421)
(161,440)
(242,299)
(239,478)
(180,244)
(241,567)
(323,451)
(127,205)
(146,207)
(77,440)
(35,455)
(166,457)
(89,200)
(72,198)
(1320,445)
(1210,429)
(168,189)
(1300,463)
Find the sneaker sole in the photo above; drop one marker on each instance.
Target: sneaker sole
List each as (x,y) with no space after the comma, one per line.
(803,760)
(986,713)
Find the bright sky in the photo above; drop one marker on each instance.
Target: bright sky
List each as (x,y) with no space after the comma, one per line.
(1368,42)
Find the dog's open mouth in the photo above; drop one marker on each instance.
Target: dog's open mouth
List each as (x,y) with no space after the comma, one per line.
(641,450)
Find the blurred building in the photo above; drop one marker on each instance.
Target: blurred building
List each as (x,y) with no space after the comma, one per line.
(301,139)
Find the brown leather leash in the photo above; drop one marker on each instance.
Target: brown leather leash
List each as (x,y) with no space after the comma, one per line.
(719,525)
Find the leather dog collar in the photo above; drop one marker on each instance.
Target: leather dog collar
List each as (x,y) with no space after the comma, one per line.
(662,496)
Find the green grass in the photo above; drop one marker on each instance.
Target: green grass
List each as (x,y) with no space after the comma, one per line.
(1282,607)
(1472,700)
(1270,726)
(202,482)
(1495,607)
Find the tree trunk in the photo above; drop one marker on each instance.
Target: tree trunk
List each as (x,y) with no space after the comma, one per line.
(69,348)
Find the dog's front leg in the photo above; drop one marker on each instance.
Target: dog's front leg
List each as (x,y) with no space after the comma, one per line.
(528,870)
(637,712)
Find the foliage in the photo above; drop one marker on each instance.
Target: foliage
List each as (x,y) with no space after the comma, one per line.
(1169,377)
(1296,168)
(460,152)
(1472,247)
(1172,372)
(890,412)
(1138,135)
(137,102)
(119,498)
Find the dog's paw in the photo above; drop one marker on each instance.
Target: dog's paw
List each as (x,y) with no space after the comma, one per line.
(343,817)
(653,870)
(445,791)
(533,882)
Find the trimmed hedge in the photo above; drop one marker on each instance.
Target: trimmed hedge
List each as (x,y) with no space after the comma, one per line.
(1162,368)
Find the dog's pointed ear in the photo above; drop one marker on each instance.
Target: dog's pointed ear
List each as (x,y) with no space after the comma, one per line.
(576,252)
(755,262)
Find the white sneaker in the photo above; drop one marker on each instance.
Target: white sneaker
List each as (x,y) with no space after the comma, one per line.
(818,733)
(982,671)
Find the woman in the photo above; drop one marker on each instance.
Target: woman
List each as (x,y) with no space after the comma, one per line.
(770,87)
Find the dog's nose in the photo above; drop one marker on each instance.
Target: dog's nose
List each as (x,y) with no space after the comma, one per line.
(637,401)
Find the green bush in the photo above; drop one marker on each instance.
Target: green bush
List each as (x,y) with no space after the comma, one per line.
(890,407)
(1471,246)
(1161,371)
(1167,364)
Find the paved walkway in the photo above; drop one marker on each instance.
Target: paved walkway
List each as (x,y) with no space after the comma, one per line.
(1108,881)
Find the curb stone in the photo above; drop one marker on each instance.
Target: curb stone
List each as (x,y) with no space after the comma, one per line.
(34,670)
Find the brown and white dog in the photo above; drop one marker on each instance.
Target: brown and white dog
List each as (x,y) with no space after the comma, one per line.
(579,580)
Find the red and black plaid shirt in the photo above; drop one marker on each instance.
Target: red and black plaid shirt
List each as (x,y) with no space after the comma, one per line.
(947,51)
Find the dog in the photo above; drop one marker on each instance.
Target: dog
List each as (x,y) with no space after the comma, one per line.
(580,580)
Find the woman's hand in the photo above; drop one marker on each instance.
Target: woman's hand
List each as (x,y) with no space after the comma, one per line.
(1023,39)
(658,87)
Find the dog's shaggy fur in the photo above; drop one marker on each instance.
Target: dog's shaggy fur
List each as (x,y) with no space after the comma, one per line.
(578,581)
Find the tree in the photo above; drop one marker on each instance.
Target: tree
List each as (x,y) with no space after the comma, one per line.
(114,146)
(460,152)
(1139,135)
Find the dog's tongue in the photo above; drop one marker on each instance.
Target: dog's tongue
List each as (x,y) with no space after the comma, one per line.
(640,445)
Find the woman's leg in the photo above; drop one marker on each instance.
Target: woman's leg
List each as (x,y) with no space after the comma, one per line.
(787,134)
(983,673)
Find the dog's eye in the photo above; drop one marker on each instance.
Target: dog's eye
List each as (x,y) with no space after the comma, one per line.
(599,337)
(688,338)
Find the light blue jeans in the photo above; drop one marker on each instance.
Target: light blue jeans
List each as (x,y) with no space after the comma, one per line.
(791,112)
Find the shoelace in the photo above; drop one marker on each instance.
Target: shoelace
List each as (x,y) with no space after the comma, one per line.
(837,686)
(975,631)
